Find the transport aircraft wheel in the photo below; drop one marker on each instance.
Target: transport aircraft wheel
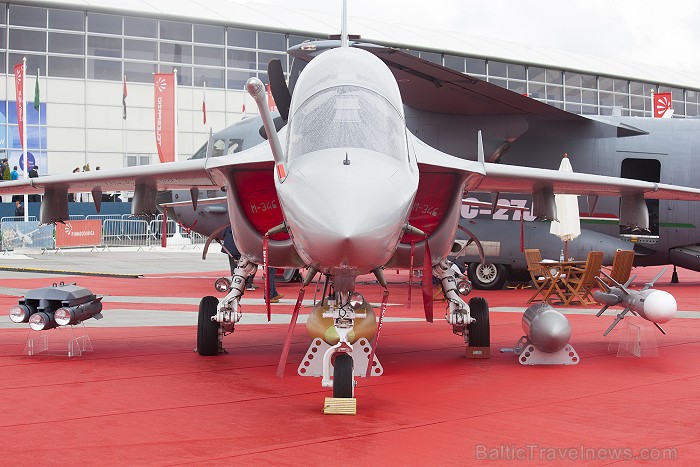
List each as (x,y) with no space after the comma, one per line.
(479,330)
(207,330)
(487,276)
(342,376)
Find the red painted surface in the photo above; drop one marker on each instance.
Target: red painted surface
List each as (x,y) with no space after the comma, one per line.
(258,198)
(143,397)
(79,233)
(432,199)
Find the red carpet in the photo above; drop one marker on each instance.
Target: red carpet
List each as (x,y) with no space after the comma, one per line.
(143,397)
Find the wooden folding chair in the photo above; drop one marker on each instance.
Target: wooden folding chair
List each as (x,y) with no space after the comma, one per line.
(533,258)
(621,267)
(580,281)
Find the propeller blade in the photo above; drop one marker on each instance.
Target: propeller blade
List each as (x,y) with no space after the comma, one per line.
(288,340)
(428,283)
(278,86)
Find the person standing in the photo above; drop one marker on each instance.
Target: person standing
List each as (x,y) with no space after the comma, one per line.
(19,209)
(14,176)
(34,173)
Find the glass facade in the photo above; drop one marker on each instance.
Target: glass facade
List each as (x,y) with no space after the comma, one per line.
(98,46)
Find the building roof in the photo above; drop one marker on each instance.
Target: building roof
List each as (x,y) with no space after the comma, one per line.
(318,24)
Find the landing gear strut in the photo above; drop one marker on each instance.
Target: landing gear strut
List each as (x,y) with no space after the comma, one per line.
(215,320)
(470,321)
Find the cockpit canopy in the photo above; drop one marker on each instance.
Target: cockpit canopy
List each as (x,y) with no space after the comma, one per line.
(346,98)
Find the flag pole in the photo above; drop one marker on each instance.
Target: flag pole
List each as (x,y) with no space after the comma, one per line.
(175,156)
(24,135)
(124,141)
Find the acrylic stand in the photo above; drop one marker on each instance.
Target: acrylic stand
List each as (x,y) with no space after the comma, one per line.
(636,338)
(70,341)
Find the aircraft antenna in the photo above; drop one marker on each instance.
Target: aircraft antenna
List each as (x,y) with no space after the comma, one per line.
(344,25)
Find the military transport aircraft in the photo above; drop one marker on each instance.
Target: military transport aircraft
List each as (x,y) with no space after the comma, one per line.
(345,189)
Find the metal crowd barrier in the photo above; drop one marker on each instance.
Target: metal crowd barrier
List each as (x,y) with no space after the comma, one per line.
(126,232)
(17,219)
(116,231)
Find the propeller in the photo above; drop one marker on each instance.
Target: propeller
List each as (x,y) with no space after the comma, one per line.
(278,86)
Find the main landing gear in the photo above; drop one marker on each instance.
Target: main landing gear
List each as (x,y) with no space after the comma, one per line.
(216,320)
(470,321)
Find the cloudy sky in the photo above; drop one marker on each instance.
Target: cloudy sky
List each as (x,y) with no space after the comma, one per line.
(646,31)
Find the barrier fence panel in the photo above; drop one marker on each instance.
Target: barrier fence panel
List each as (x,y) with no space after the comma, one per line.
(17,219)
(126,232)
(26,235)
(76,217)
(104,217)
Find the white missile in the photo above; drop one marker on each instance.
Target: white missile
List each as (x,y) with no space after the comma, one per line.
(656,306)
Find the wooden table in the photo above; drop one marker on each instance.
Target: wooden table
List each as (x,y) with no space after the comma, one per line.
(557,274)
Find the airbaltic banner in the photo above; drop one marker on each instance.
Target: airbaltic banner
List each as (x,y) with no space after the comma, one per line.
(164,106)
(79,233)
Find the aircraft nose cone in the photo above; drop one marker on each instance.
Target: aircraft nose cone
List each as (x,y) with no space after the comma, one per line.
(660,307)
(344,218)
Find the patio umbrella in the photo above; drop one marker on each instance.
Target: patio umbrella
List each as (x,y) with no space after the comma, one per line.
(567,226)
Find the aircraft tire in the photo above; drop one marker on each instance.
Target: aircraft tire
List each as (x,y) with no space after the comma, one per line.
(342,376)
(487,276)
(479,330)
(207,330)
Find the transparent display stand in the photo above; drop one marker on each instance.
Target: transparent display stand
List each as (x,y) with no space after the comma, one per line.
(70,341)
(636,338)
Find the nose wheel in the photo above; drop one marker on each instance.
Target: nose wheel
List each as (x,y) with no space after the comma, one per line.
(343,383)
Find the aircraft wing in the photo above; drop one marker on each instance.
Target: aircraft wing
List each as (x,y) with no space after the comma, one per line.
(503,178)
(168,176)
(500,178)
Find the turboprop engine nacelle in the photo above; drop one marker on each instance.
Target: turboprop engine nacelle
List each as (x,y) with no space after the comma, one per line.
(657,306)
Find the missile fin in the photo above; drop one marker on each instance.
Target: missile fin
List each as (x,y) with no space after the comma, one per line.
(98,316)
(656,278)
(617,320)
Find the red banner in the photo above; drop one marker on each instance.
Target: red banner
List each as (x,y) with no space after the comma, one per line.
(79,233)
(164,106)
(19,91)
(663,105)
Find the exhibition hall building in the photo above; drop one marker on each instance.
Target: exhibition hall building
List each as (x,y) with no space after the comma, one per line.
(92,64)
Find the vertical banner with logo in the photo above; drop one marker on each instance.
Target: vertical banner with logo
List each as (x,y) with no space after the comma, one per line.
(164,106)
(662,104)
(19,92)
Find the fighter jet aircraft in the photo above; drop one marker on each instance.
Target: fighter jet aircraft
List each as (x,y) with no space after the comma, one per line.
(343,189)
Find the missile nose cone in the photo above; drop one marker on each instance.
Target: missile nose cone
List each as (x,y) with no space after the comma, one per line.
(660,307)
(605,298)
